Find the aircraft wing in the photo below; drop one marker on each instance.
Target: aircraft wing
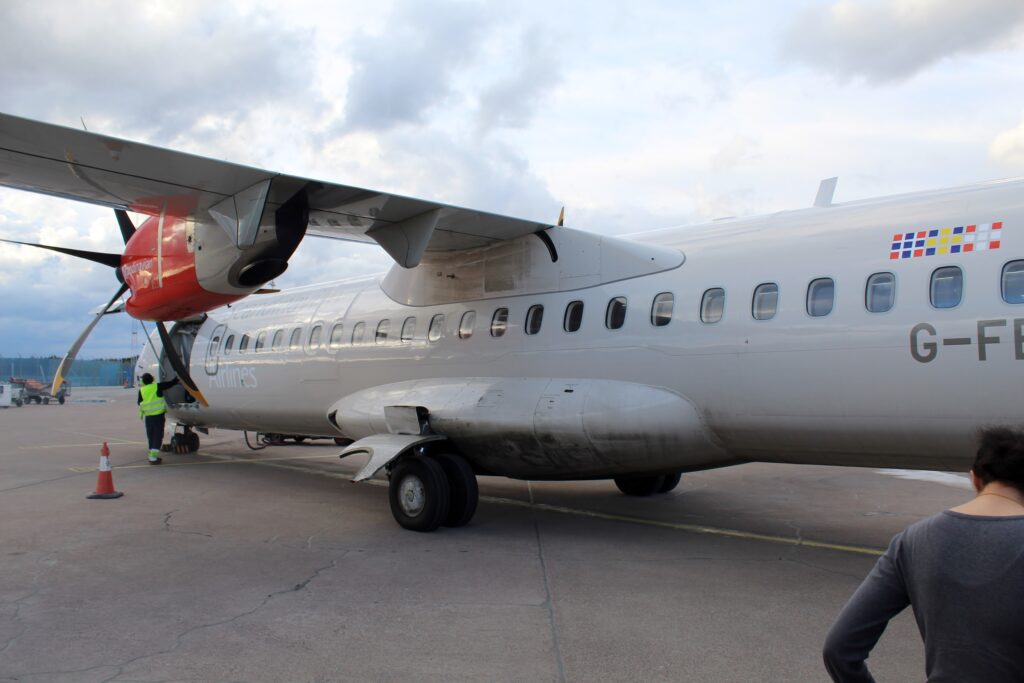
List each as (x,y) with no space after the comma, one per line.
(88,167)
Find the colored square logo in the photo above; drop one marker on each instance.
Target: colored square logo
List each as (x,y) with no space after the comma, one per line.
(972,228)
(942,250)
(933,233)
(998,225)
(930,252)
(947,231)
(955,249)
(894,255)
(968,247)
(921,234)
(918,252)
(994,244)
(957,231)
(919,243)
(906,254)
(908,236)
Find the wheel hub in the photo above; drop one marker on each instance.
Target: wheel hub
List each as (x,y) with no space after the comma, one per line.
(412,495)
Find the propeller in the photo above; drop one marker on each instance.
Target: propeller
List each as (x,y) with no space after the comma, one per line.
(124,222)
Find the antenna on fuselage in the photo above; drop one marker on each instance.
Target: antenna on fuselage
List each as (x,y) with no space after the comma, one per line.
(826,190)
(561,218)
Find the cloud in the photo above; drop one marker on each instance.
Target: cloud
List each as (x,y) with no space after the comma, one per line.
(145,68)
(400,75)
(891,40)
(513,101)
(1008,148)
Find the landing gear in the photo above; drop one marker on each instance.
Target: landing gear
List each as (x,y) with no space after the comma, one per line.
(464,491)
(185,442)
(669,482)
(419,494)
(647,485)
(428,491)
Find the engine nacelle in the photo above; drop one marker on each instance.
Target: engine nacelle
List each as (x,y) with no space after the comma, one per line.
(181,262)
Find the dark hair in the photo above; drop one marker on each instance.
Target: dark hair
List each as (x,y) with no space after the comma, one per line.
(147,378)
(1001,457)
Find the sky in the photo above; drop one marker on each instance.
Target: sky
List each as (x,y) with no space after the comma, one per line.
(634,116)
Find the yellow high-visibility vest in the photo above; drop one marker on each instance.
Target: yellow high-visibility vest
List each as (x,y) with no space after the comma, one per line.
(151,403)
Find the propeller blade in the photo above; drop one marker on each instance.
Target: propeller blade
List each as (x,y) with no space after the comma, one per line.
(69,358)
(179,366)
(112,260)
(125,223)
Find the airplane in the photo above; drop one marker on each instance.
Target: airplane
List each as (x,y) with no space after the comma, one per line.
(876,333)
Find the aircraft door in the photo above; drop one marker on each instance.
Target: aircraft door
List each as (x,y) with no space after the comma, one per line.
(213,349)
(183,337)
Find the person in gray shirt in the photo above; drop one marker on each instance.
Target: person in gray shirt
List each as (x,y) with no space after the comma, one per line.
(962,571)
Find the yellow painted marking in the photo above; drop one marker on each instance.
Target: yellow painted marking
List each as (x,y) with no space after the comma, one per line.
(544,507)
(81,445)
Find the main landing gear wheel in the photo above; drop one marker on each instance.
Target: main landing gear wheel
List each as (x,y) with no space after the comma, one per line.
(419,494)
(669,482)
(463,487)
(639,486)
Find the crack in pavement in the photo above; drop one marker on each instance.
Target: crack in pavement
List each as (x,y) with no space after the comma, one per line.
(171,529)
(179,638)
(549,606)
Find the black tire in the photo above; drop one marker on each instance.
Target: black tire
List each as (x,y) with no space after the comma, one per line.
(639,486)
(192,440)
(465,494)
(419,494)
(299,439)
(669,482)
(60,400)
(46,401)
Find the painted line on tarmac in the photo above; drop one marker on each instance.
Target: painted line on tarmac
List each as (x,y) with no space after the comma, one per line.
(693,528)
(280,463)
(218,460)
(81,445)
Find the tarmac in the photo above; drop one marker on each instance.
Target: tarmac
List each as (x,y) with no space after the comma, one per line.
(237,565)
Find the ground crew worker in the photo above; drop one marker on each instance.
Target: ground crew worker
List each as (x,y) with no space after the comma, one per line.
(152,407)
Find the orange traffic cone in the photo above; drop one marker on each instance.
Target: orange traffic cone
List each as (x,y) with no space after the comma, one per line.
(104,477)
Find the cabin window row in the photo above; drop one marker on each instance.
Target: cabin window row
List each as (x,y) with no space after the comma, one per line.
(946,287)
(945,291)
(615,318)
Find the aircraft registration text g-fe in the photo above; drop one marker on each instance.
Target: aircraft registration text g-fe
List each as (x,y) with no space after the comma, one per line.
(925,340)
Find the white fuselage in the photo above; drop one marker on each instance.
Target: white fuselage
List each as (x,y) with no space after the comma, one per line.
(852,387)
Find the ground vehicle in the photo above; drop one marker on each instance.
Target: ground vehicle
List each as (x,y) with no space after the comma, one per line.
(30,390)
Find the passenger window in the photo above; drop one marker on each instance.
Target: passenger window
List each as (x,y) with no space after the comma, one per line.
(573,316)
(615,315)
(466,324)
(295,341)
(278,341)
(436,330)
(358,332)
(947,287)
(499,322)
(661,309)
(229,344)
(880,292)
(1013,282)
(712,305)
(408,329)
(381,335)
(314,336)
(820,296)
(337,338)
(765,302)
(243,344)
(261,341)
(534,317)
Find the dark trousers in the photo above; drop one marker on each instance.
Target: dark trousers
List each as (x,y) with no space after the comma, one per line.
(155,431)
